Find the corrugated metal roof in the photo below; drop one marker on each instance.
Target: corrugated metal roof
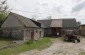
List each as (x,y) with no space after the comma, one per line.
(69,23)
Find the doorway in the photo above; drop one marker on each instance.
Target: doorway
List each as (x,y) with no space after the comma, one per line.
(32,35)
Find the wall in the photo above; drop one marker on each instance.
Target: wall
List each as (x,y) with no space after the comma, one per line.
(37,33)
(47,31)
(13,33)
(23,33)
(82,27)
(27,33)
(82,30)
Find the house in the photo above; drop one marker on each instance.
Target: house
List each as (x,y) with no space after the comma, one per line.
(82,29)
(54,26)
(21,28)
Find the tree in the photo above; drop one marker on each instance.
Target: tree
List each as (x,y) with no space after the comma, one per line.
(3,10)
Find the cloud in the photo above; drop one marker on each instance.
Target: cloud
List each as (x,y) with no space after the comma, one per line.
(78,7)
(57,8)
(44,4)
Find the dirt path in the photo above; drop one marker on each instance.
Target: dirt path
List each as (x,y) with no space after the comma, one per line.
(61,48)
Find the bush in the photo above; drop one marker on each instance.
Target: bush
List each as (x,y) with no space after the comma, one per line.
(29,42)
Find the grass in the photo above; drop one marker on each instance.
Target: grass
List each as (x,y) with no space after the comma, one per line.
(4,42)
(40,44)
(82,53)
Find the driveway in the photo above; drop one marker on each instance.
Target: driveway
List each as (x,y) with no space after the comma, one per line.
(60,47)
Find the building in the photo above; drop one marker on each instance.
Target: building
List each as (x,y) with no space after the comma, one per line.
(82,29)
(46,26)
(54,26)
(19,27)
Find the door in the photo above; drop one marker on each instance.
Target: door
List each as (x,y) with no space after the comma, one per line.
(32,35)
(53,31)
(40,33)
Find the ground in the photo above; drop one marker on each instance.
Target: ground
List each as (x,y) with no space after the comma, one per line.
(4,42)
(59,47)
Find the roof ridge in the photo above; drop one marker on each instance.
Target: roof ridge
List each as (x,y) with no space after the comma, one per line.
(20,18)
(17,18)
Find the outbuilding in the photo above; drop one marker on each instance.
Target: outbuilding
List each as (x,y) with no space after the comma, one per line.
(19,27)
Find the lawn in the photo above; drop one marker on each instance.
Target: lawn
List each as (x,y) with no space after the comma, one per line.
(40,44)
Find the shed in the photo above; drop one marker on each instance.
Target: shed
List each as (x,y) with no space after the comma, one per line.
(19,27)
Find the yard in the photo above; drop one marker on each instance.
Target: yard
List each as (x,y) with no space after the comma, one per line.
(59,47)
(4,42)
(46,46)
(40,44)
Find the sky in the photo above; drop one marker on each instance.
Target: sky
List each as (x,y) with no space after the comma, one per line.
(43,9)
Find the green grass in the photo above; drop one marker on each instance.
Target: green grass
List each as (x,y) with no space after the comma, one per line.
(40,44)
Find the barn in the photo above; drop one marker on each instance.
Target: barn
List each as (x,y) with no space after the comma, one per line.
(54,26)
(21,28)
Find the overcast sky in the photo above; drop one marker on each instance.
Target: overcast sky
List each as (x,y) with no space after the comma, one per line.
(41,9)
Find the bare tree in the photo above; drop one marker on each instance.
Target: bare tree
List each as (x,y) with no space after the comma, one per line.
(3,10)
(3,6)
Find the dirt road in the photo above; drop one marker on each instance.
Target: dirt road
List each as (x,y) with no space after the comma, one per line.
(60,48)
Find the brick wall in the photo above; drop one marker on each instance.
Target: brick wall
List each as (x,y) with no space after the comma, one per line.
(15,34)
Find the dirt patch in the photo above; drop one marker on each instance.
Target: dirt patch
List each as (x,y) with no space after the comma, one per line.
(60,47)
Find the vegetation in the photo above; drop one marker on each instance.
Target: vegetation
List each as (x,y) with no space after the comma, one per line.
(4,42)
(40,44)
(3,10)
(82,53)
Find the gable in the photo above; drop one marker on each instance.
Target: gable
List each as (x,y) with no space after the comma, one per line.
(12,21)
